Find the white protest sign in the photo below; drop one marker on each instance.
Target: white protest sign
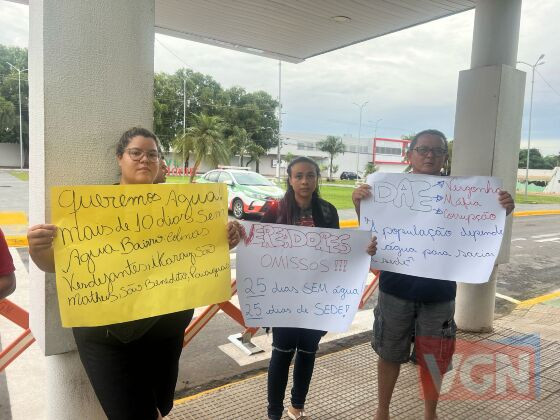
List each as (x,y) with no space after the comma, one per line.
(294,276)
(447,228)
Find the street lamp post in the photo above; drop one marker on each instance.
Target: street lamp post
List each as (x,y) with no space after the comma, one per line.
(184,122)
(375,130)
(278,154)
(20,124)
(359,136)
(374,137)
(533,66)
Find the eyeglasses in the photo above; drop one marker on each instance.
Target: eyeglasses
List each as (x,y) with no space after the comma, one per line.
(424,151)
(137,154)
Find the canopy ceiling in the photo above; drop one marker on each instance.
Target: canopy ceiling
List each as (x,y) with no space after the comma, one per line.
(294,30)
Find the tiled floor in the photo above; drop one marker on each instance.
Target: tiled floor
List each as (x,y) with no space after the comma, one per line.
(344,387)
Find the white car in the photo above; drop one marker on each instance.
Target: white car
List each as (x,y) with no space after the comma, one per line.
(248,191)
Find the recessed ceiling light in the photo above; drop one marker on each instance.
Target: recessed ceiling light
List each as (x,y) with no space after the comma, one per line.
(341,19)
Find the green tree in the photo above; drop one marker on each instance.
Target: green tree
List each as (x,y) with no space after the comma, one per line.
(333,146)
(288,157)
(239,143)
(183,146)
(447,163)
(254,112)
(7,115)
(536,160)
(255,152)
(9,97)
(552,161)
(200,93)
(370,168)
(206,140)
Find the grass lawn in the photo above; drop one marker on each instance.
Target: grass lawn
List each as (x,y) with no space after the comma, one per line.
(339,197)
(23,175)
(339,182)
(179,180)
(536,198)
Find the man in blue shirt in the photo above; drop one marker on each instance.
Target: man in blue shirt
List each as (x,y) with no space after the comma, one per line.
(409,305)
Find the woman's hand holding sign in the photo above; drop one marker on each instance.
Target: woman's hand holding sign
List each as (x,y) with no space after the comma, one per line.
(372,247)
(359,194)
(234,233)
(40,239)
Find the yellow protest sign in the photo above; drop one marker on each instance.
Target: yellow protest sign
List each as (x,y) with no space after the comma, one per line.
(125,252)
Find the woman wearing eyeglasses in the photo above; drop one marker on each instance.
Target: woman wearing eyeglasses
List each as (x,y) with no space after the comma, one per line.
(132,366)
(409,304)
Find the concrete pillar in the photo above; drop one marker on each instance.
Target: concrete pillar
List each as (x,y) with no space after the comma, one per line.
(488,131)
(91,78)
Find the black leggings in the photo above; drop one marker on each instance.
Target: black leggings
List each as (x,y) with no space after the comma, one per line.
(286,342)
(133,380)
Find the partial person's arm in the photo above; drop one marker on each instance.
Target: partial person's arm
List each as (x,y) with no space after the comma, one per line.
(372,247)
(7,285)
(336,220)
(7,276)
(359,194)
(506,201)
(40,238)
(234,233)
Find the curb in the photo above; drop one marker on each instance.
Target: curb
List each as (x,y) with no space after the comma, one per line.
(535,213)
(539,299)
(350,223)
(17,241)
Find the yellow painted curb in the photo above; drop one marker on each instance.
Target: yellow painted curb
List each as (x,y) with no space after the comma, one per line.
(13,218)
(535,213)
(539,299)
(17,241)
(349,223)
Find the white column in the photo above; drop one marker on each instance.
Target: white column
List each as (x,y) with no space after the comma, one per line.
(488,131)
(91,78)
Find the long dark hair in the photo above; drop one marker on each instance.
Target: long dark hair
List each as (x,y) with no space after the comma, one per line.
(288,209)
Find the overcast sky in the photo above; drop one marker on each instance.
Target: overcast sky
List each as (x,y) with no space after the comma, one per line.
(409,78)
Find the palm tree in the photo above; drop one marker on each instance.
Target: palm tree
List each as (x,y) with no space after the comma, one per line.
(370,168)
(205,140)
(183,146)
(288,157)
(333,146)
(239,142)
(255,153)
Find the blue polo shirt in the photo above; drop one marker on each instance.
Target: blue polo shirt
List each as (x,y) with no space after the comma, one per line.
(419,289)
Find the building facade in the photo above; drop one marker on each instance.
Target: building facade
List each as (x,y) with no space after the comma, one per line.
(388,155)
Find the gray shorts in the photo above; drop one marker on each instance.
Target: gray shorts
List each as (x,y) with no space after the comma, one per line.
(396,320)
